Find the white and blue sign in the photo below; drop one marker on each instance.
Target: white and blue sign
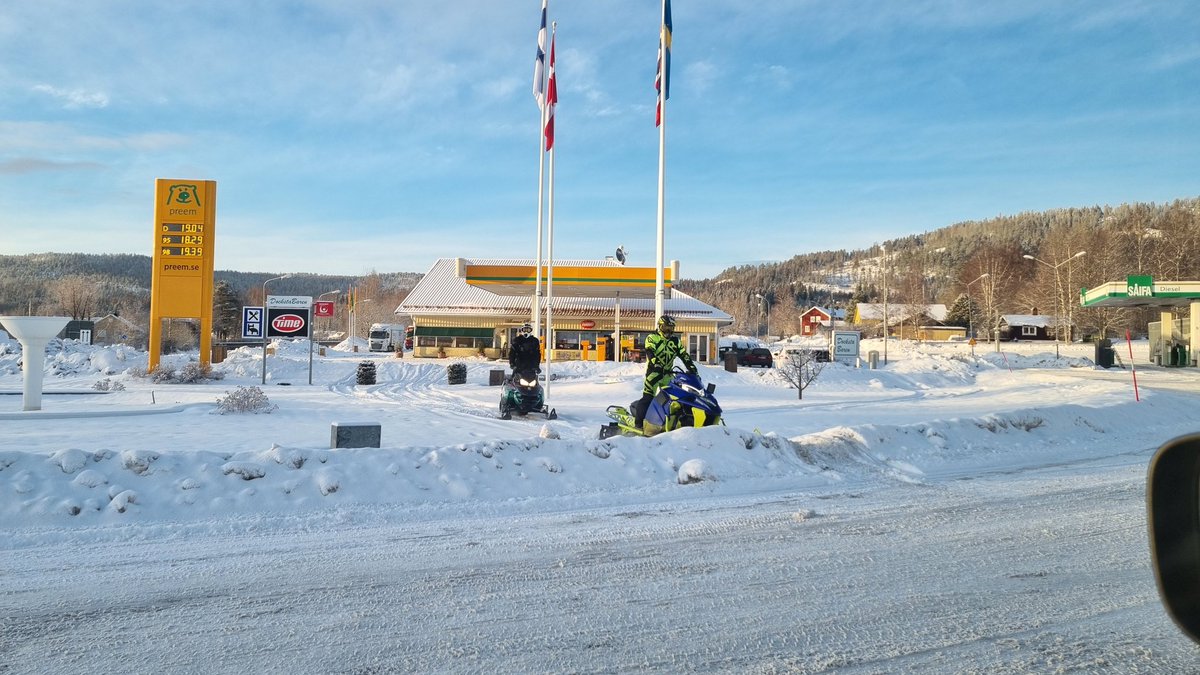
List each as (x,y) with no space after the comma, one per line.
(252,323)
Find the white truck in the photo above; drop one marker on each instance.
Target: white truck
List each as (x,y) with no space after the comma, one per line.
(386,337)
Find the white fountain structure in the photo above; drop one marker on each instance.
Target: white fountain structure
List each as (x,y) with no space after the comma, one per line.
(33,332)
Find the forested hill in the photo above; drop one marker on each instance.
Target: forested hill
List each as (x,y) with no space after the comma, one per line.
(1074,248)
(26,280)
(934,267)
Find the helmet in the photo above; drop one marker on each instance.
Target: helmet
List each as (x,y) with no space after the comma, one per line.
(525,330)
(666,325)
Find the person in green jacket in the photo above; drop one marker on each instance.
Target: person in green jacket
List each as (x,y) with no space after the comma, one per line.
(662,348)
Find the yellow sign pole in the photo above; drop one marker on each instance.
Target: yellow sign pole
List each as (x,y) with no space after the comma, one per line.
(185,227)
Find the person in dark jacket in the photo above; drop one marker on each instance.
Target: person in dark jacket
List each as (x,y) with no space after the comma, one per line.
(662,348)
(525,352)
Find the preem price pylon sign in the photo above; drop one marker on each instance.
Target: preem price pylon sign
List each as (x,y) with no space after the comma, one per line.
(185,226)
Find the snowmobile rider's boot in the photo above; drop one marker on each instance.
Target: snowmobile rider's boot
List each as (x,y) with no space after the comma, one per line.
(640,407)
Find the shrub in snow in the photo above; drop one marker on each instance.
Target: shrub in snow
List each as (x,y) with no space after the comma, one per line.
(108,385)
(90,478)
(247,470)
(245,400)
(694,471)
(366,373)
(138,461)
(70,460)
(191,373)
(121,501)
(456,373)
(162,373)
(195,371)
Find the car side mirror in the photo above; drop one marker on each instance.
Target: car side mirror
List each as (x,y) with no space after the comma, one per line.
(1173,517)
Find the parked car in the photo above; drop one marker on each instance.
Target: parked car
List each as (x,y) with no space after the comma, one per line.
(737,348)
(759,356)
(819,355)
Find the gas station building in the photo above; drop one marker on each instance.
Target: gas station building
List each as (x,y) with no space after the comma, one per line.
(1172,341)
(473,306)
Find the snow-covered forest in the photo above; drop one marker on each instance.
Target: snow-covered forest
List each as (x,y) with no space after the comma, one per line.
(929,268)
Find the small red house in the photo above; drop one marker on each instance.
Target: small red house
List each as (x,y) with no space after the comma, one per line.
(813,318)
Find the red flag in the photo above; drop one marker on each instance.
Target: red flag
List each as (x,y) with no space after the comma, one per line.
(551,100)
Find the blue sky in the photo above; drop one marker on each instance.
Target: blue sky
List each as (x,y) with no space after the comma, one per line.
(349,136)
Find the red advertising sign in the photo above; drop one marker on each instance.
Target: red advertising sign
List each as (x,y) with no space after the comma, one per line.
(323,308)
(288,323)
(587,323)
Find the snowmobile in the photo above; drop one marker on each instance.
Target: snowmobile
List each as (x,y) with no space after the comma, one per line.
(522,394)
(685,402)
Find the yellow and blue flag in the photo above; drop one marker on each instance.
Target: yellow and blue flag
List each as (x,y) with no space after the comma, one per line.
(662,78)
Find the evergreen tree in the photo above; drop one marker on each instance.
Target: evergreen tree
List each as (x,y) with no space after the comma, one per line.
(960,312)
(227,311)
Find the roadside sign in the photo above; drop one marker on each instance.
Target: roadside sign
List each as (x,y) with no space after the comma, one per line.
(323,308)
(845,346)
(287,322)
(252,323)
(291,301)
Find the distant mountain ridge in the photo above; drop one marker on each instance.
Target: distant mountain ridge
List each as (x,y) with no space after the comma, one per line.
(23,277)
(935,266)
(932,267)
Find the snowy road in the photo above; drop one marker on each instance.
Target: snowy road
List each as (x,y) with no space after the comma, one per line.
(944,515)
(1034,570)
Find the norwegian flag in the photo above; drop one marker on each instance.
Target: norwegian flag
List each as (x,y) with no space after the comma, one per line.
(539,63)
(551,100)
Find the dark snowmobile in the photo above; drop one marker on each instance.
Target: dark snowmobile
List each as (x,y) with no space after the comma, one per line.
(522,394)
(685,402)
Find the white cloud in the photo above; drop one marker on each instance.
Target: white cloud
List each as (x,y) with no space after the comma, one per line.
(700,75)
(42,137)
(75,98)
(1177,57)
(24,165)
(777,76)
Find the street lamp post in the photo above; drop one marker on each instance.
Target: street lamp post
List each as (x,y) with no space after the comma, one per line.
(762,300)
(312,334)
(1057,295)
(354,322)
(885,303)
(970,307)
(266,325)
(971,312)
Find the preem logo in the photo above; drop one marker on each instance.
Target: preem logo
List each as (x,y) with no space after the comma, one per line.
(1139,287)
(183,194)
(287,323)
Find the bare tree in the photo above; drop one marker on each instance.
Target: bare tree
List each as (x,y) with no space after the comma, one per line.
(989,294)
(800,368)
(78,295)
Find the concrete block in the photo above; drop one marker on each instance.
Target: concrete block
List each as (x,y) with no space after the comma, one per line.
(354,435)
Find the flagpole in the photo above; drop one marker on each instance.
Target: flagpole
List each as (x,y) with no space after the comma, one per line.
(551,99)
(664,74)
(537,282)
(539,89)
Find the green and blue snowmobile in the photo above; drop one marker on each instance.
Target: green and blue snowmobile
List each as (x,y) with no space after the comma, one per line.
(685,402)
(523,394)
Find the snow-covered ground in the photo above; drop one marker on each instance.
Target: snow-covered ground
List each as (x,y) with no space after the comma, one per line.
(947,512)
